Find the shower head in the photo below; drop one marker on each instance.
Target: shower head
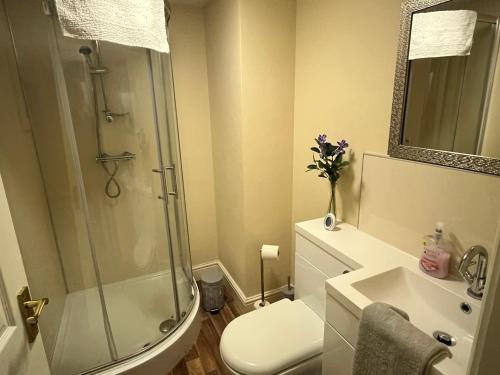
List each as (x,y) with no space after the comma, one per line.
(86,51)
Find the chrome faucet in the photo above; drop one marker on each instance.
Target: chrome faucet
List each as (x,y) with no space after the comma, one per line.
(476,280)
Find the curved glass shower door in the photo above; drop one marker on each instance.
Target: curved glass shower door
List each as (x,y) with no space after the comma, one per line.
(105,130)
(141,244)
(168,138)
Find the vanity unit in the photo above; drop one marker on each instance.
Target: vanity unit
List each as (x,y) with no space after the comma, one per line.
(371,270)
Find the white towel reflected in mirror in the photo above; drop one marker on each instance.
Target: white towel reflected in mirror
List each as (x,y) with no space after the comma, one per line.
(441,34)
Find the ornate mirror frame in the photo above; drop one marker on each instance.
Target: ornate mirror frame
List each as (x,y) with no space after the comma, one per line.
(396,149)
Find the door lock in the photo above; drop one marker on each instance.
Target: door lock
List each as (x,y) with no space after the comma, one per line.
(30,311)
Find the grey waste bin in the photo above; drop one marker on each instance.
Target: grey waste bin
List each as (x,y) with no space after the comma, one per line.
(212,289)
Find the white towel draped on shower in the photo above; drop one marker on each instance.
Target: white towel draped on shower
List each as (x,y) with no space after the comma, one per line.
(139,23)
(440,34)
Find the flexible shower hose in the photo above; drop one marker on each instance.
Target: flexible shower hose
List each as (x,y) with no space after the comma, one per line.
(112,180)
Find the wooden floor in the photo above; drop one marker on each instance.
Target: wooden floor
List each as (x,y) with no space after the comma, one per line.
(204,356)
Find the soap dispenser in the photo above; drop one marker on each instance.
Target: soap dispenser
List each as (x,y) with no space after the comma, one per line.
(435,259)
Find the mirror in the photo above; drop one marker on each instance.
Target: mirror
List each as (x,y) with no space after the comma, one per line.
(446,107)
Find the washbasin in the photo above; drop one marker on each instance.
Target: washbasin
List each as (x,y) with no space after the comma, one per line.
(431,307)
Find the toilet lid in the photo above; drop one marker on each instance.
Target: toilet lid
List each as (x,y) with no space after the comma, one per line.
(272,339)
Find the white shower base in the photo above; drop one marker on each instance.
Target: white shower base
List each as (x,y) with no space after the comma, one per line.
(135,307)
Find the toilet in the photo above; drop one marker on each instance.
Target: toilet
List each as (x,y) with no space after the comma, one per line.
(285,337)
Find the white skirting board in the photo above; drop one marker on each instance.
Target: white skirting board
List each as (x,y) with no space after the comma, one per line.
(244,299)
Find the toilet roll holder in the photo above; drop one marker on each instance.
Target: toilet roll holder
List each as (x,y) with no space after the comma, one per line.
(273,254)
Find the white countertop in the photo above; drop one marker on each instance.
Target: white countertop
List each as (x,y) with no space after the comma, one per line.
(367,256)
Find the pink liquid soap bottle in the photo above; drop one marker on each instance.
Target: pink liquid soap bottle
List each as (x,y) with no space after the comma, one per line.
(435,259)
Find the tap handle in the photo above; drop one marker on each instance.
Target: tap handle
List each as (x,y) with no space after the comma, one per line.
(468,260)
(463,270)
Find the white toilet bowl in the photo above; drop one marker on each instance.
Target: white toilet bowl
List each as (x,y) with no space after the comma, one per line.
(283,338)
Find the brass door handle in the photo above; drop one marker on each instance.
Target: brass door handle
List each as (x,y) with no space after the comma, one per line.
(37,307)
(30,311)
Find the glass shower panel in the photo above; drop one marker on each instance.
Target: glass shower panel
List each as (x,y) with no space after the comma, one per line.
(176,210)
(3,322)
(103,122)
(113,113)
(79,342)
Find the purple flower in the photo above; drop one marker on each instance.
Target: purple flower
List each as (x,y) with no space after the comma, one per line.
(323,144)
(322,138)
(342,145)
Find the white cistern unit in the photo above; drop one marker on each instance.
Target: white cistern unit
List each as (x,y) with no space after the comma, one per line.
(285,337)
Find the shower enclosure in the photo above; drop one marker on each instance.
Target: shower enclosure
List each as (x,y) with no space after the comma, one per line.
(103,122)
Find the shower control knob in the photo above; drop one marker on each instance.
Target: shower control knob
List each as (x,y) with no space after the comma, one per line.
(110,116)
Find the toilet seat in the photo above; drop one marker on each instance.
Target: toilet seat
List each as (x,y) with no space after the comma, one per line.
(272,339)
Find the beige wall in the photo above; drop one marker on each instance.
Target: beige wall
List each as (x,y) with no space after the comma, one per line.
(223,45)
(268,48)
(345,60)
(189,62)
(26,195)
(402,200)
(250,56)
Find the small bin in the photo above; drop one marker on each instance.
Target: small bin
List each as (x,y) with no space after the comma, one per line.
(212,289)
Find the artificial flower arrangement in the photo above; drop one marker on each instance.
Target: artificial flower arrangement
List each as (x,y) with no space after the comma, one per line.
(329,162)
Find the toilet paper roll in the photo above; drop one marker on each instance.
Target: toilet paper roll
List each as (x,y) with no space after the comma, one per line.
(270,252)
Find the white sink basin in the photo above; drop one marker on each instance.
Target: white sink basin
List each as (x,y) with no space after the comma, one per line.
(430,307)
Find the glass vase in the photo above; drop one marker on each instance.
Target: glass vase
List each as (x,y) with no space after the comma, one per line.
(332,206)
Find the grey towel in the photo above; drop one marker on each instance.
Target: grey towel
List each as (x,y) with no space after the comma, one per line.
(388,344)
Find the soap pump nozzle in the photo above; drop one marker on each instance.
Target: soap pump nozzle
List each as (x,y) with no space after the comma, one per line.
(438,232)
